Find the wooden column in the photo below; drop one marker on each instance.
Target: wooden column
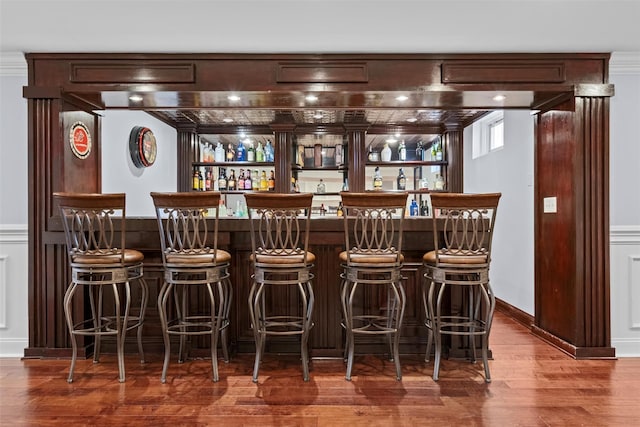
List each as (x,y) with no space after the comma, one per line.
(53,167)
(356,133)
(283,135)
(572,245)
(186,153)
(455,156)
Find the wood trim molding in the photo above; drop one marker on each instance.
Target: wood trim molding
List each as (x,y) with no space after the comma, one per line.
(522,317)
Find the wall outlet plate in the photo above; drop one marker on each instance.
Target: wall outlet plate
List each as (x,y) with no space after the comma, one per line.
(550,205)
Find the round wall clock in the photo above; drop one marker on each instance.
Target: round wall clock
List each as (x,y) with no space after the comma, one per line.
(142,146)
(80,140)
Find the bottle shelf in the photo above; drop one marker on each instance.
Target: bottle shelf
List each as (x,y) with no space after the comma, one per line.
(318,168)
(236,164)
(398,163)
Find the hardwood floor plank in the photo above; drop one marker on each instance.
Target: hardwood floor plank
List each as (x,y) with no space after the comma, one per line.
(533,384)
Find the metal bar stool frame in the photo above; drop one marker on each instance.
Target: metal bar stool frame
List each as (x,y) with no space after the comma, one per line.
(373,224)
(463,227)
(98,259)
(192,261)
(280,257)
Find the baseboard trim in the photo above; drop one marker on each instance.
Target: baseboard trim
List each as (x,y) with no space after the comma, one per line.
(12,347)
(579,353)
(522,317)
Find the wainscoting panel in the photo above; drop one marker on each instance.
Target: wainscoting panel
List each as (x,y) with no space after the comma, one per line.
(625,290)
(13,290)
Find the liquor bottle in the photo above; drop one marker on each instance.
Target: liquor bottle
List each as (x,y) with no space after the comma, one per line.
(424,208)
(386,153)
(219,153)
(241,180)
(340,210)
(269,154)
(196,180)
(323,209)
(222,209)
(419,151)
(222,180)
(207,181)
(231,181)
(200,181)
(272,181)
(264,183)
(247,180)
(241,152)
(259,153)
(231,154)
(402,151)
(413,208)
(377,179)
(255,180)
(251,153)
(322,188)
(402,180)
(293,185)
(439,183)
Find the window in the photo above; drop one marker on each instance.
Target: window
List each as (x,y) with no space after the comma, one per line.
(488,134)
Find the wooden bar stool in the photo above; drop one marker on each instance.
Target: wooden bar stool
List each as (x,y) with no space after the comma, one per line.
(95,231)
(195,273)
(463,230)
(372,262)
(281,265)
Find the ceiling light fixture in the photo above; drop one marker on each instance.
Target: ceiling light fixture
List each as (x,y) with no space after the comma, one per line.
(402,98)
(311,98)
(227,120)
(233,98)
(412,119)
(135,98)
(499,98)
(318,115)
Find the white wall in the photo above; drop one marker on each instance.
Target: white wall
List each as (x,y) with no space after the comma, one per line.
(625,210)
(510,171)
(14,330)
(118,171)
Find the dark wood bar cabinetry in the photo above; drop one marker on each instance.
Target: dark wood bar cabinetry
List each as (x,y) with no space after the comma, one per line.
(359,100)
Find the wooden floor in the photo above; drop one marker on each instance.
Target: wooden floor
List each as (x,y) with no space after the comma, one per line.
(533,385)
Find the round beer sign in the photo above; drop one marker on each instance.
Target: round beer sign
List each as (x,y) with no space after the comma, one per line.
(80,140)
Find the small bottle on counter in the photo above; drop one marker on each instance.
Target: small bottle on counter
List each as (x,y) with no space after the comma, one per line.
(340,210)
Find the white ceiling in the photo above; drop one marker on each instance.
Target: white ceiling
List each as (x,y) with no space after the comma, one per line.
(320,26)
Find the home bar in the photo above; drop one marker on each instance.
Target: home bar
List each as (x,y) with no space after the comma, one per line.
(357,106)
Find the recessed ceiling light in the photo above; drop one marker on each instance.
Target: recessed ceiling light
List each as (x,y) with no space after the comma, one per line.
(412,119)
(233,98)
(135,98)
(402,98)
(499,98)
(390,140)
(397,135)
(227,120)
(311,98)
(318,115)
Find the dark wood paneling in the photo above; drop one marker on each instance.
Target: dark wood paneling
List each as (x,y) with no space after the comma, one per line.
(144,73)
(512,71)
(454,151)
(322,72)
(572,245)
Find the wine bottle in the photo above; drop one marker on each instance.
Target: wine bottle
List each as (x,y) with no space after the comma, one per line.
(402,180)
(377,179)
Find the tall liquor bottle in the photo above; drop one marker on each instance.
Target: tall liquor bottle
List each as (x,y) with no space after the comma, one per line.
(264,183)
(241,152)
(222,180)
(377,179)
(251,153)
(402,180)
(231,181)
(402,151)
(272,181)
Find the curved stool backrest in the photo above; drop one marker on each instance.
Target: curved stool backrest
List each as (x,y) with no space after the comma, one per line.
(464,225)
(373,226)
(91,223)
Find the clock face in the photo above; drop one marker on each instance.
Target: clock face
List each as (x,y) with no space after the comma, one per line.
(142,146)
(80,140)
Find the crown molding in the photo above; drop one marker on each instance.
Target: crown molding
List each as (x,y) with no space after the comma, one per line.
(13,64)
(624,63)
